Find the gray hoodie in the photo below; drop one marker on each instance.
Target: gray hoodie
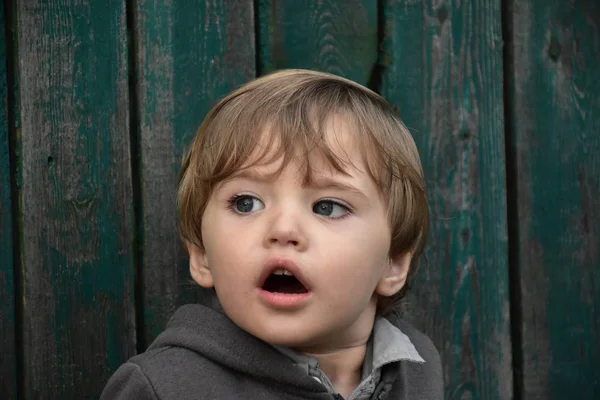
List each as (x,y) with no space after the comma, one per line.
(202,355)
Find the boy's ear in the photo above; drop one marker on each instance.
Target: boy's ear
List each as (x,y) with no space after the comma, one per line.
(199,266)
(395,275)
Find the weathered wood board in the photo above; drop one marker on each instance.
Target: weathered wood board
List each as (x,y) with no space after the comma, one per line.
(442,69)
(188,56)
(8,358)
(76,196)
(330,36)
(555,146)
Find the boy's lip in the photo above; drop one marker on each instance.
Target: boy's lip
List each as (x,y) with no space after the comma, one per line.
(276,263)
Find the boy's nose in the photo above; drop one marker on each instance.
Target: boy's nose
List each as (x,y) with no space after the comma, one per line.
(285,230)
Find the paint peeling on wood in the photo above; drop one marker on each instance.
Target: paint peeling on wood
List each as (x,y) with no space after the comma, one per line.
(447,81)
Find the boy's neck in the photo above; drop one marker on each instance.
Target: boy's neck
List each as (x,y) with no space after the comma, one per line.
(343,367)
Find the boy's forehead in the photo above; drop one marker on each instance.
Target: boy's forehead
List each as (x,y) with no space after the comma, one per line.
(337,135)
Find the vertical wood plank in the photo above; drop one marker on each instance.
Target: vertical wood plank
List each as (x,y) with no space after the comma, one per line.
(555,103)
(76,196)
(442,68)
(331,36)
(8,360)
(189,55)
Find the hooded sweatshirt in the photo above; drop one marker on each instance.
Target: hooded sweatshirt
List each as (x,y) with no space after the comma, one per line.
(203,355)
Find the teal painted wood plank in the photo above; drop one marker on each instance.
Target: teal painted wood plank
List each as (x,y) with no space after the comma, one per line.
(442,69)
(76,196)
(555,103)
(8,360)
(189,55)
(331,35)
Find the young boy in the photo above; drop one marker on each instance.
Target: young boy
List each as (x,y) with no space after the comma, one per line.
(302,204)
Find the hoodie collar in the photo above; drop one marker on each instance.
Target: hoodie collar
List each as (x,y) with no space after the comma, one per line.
(209,332)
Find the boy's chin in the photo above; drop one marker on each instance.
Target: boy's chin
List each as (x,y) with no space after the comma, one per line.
(303,329)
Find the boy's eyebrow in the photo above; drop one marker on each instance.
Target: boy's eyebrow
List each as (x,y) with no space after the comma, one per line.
(323,182)
(253,175)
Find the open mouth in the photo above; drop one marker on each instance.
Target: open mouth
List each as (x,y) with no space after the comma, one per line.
(282,281)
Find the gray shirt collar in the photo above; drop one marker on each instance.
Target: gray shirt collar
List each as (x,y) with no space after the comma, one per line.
(390,344)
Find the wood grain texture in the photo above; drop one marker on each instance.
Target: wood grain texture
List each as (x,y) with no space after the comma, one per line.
(442,69)
(189,55)
(76,196)
(328,35)
(555,103)
(8,361)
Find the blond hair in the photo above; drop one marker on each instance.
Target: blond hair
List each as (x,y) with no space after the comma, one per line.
(288,109)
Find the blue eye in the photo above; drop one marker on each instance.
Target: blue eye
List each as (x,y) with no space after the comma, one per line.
(245,204)
(331,209)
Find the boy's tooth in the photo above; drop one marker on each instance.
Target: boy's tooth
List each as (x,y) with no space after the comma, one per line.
(282,272)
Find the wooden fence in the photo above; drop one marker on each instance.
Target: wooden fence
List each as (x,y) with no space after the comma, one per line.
(100,98)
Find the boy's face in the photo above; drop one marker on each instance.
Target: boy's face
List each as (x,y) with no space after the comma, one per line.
(332,235)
